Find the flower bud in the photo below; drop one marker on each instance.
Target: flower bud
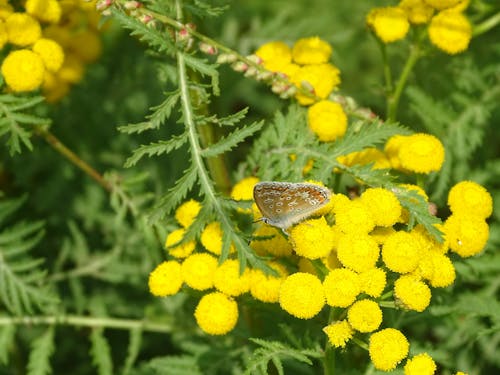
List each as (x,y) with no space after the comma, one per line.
(132,5)
(239,66)
(226,58)
(103,4)
(208,48)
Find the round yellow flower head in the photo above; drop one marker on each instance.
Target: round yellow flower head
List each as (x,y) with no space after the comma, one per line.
(313,238)
(186,213)
(72,70)
(87,45)
(372,282)
(442,4)
(229,280)
(450,31)
(44,10)
(165,279)
(387,348)
(428,242)
(391,149)
(461,373)
(53,87)
(470,198)
(353,216)
(380,234)
(417,11)
(341,286)
(275,244)
(3,34)
(5,10)
(266,288)
(311,51)
(383,204)
(327,120)
(319,79)
(23,70)
(179,251)
(421,364)
(413,293)
(389,23)
(364,315)
(198,271)
(421,153)
(301,295)
(211,238)
(366,156)
(401,252)
(22,29)
(275,55)
(51,53)
(358,251)
(216,313)
(243,190)
(339,333)
(467,235)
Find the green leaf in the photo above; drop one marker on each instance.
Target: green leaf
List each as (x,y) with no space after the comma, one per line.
(156,149)
(201,66)
(134,347)
(232,140)
(101,352)
(7,336)
(179,365)
(42,349)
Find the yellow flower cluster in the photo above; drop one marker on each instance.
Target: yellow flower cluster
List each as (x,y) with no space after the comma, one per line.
(448,28)
(50,42)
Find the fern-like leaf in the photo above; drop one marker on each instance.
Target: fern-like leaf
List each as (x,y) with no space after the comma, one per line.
(156,148)
(41,350)
(232,140)
(134,346)
(101,352)
(7,336)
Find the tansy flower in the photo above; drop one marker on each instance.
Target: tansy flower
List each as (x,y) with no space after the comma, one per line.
(387,348)
(421,364)
(442,4)
(421,153)
(87,45)
(417,11)
(391,149)
(186,213)
(413,293)
(243,191)
(380,234)
(364,157)
(198,271)
(437,268)
(301,295)
(179,251)
(388,23)
(211,238)
(461,373)
(311,51)
(165,279)
(339,333)
(364,315)
(53,87)
(229,280)
(72,69)
(216,314)
(306,266)
(274,243)
(327,120)
(275,55)
(332,261)
(44,10)
(319,79)
(312,238)
(22,29)
(5,10)
(383,204)
(51,53)
(3,34)
(264,287)
(450,31)
(470,198)
(372,282)
(467,235)
(341,286)
(429,242)
(353,216)
(401,252)
(358,251)
(23,70)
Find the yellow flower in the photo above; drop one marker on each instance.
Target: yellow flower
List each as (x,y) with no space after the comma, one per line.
(5,11)
(266,288)
(401,252)
(364,315)
(275,55)
(383,205)
(470,198)
(311,50)
(179,251)
(428,242)
(353,216)
(44,10)
(413,293)
(186,213)
(274,244)
(243,191)
(22,29)
(301,295)
(417,11)
(421,153)
(229,280)
(372,282)
(358,251)
(380,234)
(72,69)
(331,261)
(3,34)
(341,286)
(327,120)
(366,156)
(312,238)
(165,279)
(391,149)
(53,87)
(437,268)
(450,31)
(198,271)
(467,235)
(339,333)
(442,4)
(387,348)
(421,364)
(461,373)
(306,266)
(216,313)
(319,79)
(51,53)
(211,238)
(388,23)
(87,45)
(23,70)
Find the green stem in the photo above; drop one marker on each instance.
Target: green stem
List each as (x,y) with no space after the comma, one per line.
(486,25)
(387,72)
(85,321)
